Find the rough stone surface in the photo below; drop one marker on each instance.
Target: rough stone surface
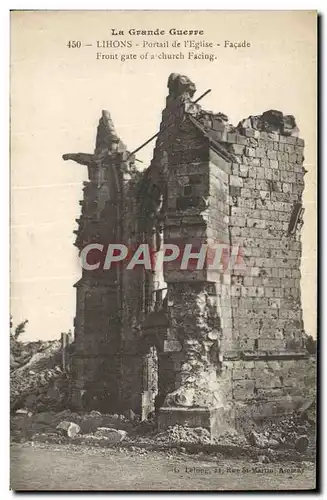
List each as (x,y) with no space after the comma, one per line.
(302,443)
(70,428)
(114,435)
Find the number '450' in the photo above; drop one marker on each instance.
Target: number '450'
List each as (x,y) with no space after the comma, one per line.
(74,44)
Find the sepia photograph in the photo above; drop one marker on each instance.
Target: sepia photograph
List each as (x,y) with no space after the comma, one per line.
(163,302)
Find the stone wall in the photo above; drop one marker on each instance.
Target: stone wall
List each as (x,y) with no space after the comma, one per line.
(265,197)
(265,188)
(270,387)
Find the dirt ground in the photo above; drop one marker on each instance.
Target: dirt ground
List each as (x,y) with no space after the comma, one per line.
(40,467)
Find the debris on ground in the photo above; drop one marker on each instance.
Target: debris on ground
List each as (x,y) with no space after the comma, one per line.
(302,443)
(70,428)
(290,432)
(114,435)
(115,428)
(263,459)
(295,431)
(261,441)
(179,433)
(36,380)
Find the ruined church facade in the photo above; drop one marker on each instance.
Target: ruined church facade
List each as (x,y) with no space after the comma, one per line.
(198,346)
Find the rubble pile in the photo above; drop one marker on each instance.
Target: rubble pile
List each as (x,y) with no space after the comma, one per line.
(179,433)
(199,435)
(37,382)
(291,434)
(231,438)
(103,435)
(26,425)
(22,352)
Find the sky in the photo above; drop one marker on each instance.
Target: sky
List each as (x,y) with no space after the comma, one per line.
(57,94)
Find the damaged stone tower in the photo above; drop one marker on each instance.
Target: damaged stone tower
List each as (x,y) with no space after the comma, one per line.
(199,346)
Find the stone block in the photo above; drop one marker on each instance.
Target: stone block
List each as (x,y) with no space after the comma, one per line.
(260,173)
(235,191)
(249,132)
(172,346)
(240,139)
(260,153)
(231,137)
(291,140)
(270,394)
(267,379)
(272,155)
(235,291)
(237,149)
(287,176)
(246,344)
(263,184)
(269,344)
(243,389)
(258,410)
(264,194)
(275,175)
(273,164)
(292,158)
(250,183)
(243,170)
(287,187)
(265,162)
(237,221)
(235,181)
(235,168)
(249,151)
(289,148)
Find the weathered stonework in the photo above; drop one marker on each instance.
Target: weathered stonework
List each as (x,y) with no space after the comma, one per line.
(217,343)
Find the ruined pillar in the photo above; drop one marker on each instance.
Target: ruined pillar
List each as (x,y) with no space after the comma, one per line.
(199,311)
(98,322)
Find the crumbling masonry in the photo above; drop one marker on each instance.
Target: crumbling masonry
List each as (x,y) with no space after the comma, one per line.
(201,347)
